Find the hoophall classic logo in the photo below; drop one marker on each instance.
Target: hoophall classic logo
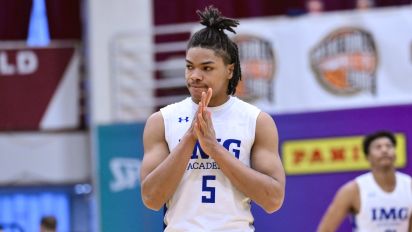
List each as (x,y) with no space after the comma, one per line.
(345,61)
(257,61)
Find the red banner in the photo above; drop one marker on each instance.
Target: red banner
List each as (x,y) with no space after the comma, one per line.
(30,77)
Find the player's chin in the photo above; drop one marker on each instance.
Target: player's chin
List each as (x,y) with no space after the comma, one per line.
(387,162)
(196,95)
(197,92)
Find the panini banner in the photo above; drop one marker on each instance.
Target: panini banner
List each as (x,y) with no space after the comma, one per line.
(332,155)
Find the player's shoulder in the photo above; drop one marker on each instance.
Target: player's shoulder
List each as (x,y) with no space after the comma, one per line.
(172,108)
(155,118)
(244,109)
(263,119)
(403,175)
(347,196)
(404,178)
(349,189)
(243,104)
(365,178)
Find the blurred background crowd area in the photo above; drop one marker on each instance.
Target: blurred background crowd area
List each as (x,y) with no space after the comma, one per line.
(66,19)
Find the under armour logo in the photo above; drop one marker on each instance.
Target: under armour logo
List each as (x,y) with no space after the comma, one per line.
(186,119)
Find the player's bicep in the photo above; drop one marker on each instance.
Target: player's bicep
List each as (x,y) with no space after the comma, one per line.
(265,156)
(154,144)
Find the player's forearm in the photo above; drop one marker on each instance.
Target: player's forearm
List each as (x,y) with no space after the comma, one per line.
(333,217)
(325,227)
(269,193)
(159,186)
(322,229)
(262,189)
(410,224)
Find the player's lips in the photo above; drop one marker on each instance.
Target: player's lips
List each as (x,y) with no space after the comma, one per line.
(198,86)
(387,157)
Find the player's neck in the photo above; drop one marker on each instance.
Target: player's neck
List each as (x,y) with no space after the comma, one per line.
(385,178)
(219,102)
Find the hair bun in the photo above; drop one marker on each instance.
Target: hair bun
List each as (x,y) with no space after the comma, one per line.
(211,17)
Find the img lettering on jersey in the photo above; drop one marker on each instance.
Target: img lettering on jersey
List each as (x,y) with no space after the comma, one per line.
(392,214)
(183,119)
(232,145)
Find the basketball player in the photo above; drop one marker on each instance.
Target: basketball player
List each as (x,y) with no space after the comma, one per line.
(48,224)
(380,200)
(364,4)
(209,155)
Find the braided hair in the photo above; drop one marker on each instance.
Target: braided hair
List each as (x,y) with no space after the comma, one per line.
(213,37)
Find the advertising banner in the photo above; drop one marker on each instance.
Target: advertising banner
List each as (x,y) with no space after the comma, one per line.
(39,86)
(336,60)
(120,207)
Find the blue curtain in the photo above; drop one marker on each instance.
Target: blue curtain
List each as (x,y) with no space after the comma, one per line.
(21,212)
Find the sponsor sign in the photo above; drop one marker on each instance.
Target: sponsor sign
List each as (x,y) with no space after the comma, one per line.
(120,151)
(338,154)
(39,87)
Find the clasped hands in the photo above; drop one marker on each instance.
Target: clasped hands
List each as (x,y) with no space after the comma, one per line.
(202,123)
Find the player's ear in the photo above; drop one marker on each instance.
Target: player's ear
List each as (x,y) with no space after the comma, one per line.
(229,70)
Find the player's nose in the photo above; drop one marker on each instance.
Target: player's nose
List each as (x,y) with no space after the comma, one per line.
(196,74)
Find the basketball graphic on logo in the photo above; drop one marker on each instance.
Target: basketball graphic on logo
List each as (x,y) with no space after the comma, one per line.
(258,67)
(345,62)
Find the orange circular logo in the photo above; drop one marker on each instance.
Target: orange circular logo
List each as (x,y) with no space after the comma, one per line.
(345,62)
(258,67)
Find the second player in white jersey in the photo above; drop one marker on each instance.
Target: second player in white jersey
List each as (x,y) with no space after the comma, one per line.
(380,200)
(384,211)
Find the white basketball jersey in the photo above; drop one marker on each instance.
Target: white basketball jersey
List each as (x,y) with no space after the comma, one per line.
(205,199)
(381,211)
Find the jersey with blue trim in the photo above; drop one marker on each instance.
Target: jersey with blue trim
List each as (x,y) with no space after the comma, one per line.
(205,199)
(382,211)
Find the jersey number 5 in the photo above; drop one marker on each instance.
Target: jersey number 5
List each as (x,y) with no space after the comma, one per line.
(211,190)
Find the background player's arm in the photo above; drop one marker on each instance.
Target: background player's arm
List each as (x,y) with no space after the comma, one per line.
(342,204)
(161,172)
(264,183)
(410,221)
